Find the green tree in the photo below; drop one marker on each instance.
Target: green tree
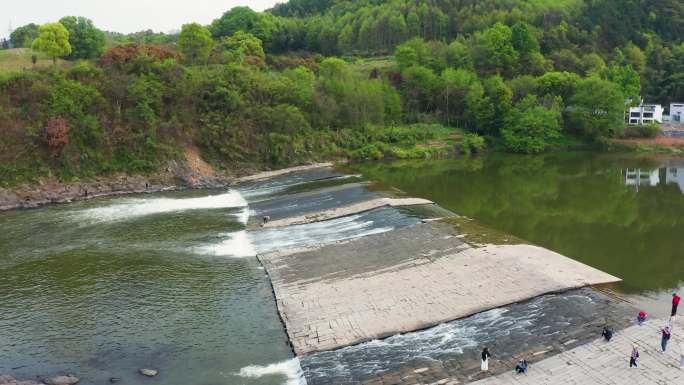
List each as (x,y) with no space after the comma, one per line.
(529,127)
(561,84)
(53,41)
(498,54)
(86,41)
(195,43)
(627,78)
(236,19)
(241,48)
(523,40)
(23,36)
(419,86)
(597,108)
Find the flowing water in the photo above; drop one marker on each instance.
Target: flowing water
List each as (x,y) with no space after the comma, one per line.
(170,281)
(167,281)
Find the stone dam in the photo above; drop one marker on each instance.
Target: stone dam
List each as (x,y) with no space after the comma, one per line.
(416,304)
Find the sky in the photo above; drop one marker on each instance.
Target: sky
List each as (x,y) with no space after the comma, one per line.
(121,15)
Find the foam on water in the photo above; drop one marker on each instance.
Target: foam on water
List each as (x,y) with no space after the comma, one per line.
(272,239)
(238,245)
(244,244)
(446,340)
(290,369)
(137,207)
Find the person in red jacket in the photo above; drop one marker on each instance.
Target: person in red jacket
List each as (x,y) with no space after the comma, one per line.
(675,303)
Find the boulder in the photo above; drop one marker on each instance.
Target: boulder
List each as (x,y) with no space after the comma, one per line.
(149,372)
(64,380)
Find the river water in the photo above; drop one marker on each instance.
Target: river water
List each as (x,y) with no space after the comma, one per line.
(623,214)
(169,281)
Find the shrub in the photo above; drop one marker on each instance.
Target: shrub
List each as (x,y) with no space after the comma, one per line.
(124,54)
(472,143)
(56,136)
(644,131)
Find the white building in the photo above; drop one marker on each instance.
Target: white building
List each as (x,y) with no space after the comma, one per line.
(676,113)
(645,114)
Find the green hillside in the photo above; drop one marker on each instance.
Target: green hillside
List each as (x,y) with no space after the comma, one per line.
(312,80)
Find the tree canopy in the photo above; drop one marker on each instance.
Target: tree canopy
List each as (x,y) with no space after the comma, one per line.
(53,40)
(23,36)
(195,43)
(87,42)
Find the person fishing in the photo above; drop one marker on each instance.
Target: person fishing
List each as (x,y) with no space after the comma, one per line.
(666,335)
(634,357)
(485,360)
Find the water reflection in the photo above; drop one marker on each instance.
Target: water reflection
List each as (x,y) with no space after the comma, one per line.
(668,175)
(623,214)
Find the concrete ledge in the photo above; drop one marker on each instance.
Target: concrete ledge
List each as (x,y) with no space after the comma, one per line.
(348,210)
(407,280)
(275,173)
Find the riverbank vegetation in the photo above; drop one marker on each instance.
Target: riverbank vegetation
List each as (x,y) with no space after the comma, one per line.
(311,80)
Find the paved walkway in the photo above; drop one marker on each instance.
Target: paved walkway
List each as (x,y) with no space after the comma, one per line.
(407,280)
(603,363)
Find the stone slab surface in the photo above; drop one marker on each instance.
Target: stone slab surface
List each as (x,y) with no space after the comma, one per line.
(339,212)
(550,323)
(406,280)
(275,173)
(607,363)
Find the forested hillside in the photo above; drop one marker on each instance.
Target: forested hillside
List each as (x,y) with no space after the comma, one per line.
(336,79)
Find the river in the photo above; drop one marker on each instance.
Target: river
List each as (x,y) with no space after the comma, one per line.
(169,281)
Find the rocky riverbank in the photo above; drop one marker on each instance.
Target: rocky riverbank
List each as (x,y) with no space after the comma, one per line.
(194,173)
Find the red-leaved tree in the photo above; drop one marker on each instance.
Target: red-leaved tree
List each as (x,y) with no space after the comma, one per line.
(57,135)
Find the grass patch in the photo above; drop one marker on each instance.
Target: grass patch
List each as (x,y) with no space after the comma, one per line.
(19,59)
(365,66)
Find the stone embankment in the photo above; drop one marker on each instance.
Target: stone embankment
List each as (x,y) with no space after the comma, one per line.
(194,174)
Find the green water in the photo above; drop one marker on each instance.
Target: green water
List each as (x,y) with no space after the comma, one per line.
(586,206)
(107,287)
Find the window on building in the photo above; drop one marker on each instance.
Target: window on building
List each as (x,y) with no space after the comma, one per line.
(634,114)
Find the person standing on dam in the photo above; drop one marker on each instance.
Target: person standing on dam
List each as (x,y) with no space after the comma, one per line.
(675,303)
(665,332)
(634,357)
(485,360)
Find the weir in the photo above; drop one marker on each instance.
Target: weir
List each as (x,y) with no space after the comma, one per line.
(406,280)
(339,296)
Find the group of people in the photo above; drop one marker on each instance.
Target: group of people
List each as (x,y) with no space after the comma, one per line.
(607,334)
(665,333)
(521,367)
